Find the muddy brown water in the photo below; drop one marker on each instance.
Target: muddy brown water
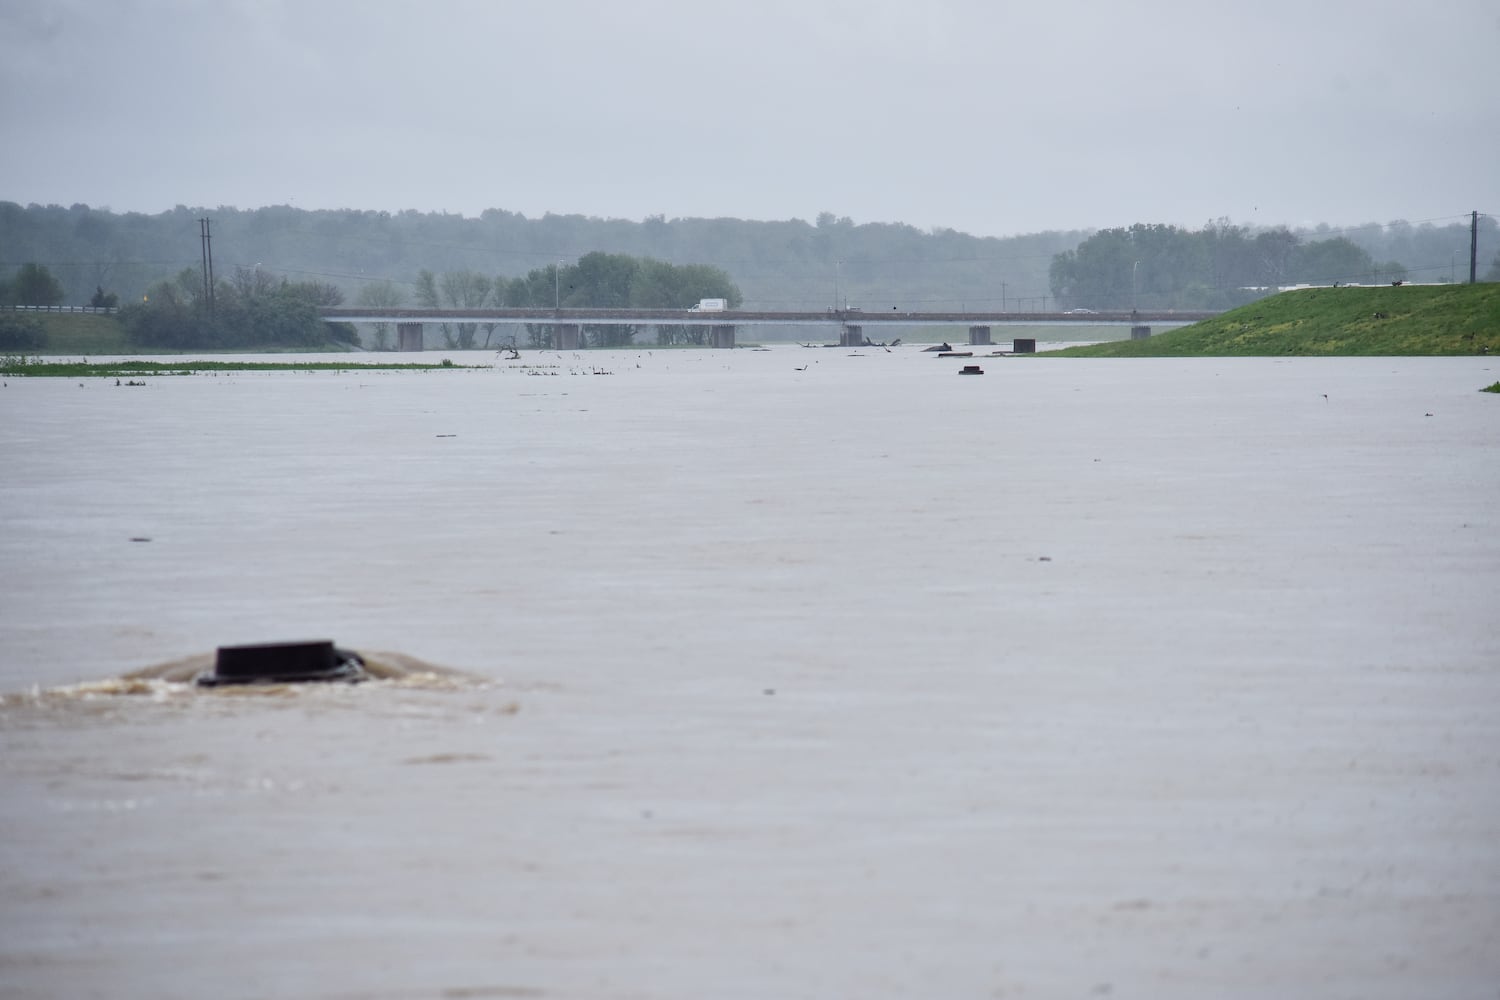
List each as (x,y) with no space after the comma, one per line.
(740,674)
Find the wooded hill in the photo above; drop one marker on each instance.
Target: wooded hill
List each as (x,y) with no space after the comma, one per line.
(790,264)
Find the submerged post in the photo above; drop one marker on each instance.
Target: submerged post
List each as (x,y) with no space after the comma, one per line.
(408,336)
(284,663)
(1140,332)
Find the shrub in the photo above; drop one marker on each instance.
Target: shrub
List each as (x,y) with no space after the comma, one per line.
(20,334)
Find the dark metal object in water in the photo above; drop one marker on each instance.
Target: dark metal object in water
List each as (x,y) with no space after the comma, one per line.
(284,663)
(972,370)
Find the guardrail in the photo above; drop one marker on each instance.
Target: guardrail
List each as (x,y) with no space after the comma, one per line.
(94,310)
(733,317)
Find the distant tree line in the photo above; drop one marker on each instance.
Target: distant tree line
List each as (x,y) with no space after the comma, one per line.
(790,264)
(779,264)
(1217,267)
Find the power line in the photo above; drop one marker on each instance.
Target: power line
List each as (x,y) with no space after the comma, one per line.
(95,263)
(324,274)
(752,269)
(554,253)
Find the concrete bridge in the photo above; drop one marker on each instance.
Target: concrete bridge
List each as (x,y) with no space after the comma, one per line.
(567,324)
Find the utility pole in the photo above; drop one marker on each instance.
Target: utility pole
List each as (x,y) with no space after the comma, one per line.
(1473,247)
(203,250)
(206,237)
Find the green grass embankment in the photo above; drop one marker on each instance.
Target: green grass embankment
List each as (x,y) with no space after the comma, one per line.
(1397,320)
(81,333)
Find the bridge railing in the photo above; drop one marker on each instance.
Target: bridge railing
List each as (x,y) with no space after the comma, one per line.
(682,317)
(92,310)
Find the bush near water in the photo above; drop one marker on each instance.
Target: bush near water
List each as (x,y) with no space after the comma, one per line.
(19,333)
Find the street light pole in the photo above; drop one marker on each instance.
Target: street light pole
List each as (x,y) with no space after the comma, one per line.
(557,286)
(1134,304)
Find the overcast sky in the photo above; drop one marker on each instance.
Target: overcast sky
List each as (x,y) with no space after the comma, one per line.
(986,116)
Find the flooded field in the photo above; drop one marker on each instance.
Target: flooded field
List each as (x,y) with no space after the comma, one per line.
(765,673)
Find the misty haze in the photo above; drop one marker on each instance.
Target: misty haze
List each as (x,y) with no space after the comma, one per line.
(780,671)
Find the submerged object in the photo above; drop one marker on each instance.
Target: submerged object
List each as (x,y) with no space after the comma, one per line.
(284,663)
(972,370)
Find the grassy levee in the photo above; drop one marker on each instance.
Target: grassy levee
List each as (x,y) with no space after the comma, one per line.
(1404,320)
(81,333)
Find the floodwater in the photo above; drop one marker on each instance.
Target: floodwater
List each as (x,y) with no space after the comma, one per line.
(788,673)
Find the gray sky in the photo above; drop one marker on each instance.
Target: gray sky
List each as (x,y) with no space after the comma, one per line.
(987,117)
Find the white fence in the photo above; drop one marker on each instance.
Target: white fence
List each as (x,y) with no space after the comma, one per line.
(99,310)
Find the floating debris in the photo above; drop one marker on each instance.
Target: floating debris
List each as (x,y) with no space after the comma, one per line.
(284,663)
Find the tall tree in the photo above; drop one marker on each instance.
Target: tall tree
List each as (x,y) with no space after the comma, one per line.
(34,285)
(1230,256)
(465,290)
(603,281)
(380,295)
(426,294)
(540,287)
(426,290)
(1275,251)
(1327,262)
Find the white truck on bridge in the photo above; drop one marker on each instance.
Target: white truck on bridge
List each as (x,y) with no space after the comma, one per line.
(710,306)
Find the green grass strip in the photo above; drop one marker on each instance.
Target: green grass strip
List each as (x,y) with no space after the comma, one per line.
(1333,322)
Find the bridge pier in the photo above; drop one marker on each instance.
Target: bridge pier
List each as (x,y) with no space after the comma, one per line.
(979,336)
(852,336)
(566,337)
(723,336)
(1139,332)
(409,336)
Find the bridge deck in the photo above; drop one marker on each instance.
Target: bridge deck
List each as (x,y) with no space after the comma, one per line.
(683,317)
